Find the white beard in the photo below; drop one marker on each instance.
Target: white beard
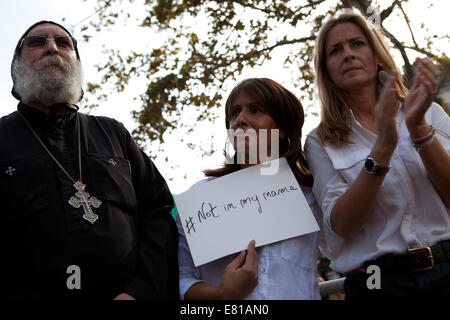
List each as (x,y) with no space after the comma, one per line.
(51,80)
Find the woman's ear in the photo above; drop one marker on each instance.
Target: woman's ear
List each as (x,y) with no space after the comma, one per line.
(379,63)
(379,66)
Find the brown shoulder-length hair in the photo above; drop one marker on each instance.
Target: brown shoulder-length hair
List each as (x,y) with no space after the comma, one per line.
(334,127)
(287,112)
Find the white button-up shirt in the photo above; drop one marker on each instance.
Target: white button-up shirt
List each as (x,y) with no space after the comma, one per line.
(286,269)
(407,213)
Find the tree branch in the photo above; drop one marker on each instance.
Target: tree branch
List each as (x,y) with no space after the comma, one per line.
(428,54)
(401,47)
(407,22)
(387,12)
(245,4)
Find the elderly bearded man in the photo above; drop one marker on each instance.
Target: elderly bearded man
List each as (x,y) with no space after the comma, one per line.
(84,212)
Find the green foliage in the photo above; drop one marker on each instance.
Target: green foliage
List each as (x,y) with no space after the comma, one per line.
(208,43)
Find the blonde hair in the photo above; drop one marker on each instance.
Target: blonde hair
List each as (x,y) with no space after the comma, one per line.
(334,126)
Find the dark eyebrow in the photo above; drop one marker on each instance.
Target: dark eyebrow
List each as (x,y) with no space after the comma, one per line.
(356,39)
(234,106)
(350,40)
(333,45)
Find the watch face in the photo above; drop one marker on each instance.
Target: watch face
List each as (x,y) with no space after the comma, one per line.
(369,165)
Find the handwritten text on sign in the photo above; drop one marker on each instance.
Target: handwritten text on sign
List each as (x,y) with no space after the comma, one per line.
(221,216)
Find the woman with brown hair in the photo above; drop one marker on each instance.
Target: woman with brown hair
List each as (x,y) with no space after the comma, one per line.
(281,270)
(380,159)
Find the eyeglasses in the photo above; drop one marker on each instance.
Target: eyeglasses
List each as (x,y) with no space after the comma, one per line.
(62,42)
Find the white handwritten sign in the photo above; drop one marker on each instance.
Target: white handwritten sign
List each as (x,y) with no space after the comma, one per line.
(221,216)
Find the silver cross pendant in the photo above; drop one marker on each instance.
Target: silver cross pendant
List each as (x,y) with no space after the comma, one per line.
(82,198)
(10,171)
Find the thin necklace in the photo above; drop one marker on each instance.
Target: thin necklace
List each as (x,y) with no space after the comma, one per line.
(82,198)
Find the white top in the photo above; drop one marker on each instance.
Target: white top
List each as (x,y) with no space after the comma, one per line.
(408,211)
(286,269)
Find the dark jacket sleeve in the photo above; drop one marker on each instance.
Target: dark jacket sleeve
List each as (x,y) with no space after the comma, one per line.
(12,283)
(14,288)
(157,239)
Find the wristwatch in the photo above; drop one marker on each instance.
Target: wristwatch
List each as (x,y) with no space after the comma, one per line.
(372,167)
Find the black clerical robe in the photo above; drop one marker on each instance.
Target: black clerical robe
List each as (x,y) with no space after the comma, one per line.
(45,244)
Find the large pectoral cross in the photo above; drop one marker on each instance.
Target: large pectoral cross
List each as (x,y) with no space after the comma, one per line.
(82,198)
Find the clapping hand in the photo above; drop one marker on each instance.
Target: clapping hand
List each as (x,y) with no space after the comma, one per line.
(386,112)
(420,97)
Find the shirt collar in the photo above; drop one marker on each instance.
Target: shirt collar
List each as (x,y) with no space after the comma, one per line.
(35,115)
